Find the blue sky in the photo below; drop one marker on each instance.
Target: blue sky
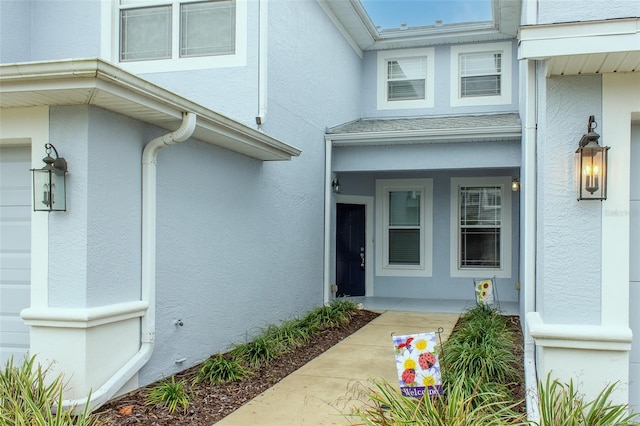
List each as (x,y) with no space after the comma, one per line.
(391,13)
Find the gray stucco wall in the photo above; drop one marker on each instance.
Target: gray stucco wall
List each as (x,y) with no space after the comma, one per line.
(585,10)
(442,102)
(65,29)
(568,231)
(15,31)
(240,242)
(94,247)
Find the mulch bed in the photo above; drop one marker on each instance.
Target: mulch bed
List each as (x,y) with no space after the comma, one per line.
(211,403)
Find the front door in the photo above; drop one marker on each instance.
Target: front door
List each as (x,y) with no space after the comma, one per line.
(350,249)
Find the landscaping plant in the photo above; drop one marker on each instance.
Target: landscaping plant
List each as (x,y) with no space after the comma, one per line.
(170,394)
(561,404)
(387,407)
(28,398)
(221,368)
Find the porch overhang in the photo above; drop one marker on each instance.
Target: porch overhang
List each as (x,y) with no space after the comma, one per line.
(425,130)
(426,143)
(592,47)
(98,83)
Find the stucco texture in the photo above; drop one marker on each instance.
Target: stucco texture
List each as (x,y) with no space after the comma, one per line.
(569,239)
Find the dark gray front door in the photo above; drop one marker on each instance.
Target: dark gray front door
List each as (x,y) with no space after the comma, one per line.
(350,254)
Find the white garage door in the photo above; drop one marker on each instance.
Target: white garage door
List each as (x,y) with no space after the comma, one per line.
(15,249)
(634,271)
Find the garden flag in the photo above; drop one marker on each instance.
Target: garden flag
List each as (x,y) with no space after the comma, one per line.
(418,366)
(484,292)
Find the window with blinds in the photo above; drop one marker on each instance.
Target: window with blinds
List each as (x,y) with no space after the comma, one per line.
(406,79)
(154,30)
(480,226)
(404,227)
(480,74)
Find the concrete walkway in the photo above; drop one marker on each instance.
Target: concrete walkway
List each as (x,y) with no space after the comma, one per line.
(325,388)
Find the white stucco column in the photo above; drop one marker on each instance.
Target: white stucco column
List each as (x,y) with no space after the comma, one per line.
(620,97)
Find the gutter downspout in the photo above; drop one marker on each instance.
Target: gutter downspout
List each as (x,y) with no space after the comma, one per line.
(328,205)
(148,282)
(262,62)
(529,215)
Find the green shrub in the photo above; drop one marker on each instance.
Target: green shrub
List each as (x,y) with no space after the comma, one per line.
(561,404)
(290,334)
(28,398)
(258,352)
(169,394)
(386,406)
(480,352)
(335,314)
(221,369)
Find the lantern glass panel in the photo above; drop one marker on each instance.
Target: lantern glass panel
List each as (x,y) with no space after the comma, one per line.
(591,165)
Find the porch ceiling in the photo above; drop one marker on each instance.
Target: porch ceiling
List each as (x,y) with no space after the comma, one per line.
(95,82)
(393,131)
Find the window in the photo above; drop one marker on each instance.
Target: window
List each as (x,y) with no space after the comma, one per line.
(404,212)
(174,35)
(480,74)
(483,74)
(405,79)
(481,227)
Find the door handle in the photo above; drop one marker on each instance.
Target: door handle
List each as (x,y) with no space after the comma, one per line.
(362,257)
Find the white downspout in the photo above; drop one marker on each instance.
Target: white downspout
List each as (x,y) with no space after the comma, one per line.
(262,62)
(148,283)
(328,205)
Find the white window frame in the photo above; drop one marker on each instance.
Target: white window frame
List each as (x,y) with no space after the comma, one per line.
(110,47)
(505,96)
(383,187)
(382,89)
(506,228)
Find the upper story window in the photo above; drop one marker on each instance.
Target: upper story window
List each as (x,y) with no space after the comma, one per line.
(175,35)
(481,227)
(404,234)
(481,74)
(405,79)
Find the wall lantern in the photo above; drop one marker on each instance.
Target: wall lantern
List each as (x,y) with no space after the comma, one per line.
(515,185)
(335,184)
(49,192)
(591,165)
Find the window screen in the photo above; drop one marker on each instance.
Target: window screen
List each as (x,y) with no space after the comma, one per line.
(480,226)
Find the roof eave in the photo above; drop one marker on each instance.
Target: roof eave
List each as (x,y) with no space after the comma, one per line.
(425,136)
(96,77)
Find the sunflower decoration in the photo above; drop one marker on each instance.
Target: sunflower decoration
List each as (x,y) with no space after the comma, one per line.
(484,291)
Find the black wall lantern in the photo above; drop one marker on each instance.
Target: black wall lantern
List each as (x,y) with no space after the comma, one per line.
(591,165)
(335,184)
(49,193)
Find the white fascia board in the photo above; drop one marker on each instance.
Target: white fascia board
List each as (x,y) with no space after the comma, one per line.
(96,75)
(345,33)
(424,136)
(579,38)
(577,336)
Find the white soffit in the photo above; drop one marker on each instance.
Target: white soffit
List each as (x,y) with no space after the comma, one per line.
(584,47)
(98,83)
